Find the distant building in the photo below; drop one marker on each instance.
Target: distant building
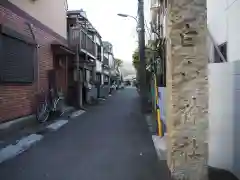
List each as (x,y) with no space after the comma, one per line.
(108,54)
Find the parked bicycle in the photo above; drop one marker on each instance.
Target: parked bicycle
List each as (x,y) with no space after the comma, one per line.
(49,103)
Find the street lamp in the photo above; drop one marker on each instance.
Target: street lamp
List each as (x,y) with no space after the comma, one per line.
(126,15)
(135,18)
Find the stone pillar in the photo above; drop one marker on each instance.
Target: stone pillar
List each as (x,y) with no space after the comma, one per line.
(187,88)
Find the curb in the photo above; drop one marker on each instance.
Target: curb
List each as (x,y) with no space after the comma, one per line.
(12,150)
(160,146)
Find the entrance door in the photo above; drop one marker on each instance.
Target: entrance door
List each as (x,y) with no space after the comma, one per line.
(61,74)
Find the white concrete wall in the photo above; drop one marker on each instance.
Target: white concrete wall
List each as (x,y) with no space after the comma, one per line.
(224,115)
(111,63)
(223,23)
(98,66)
(164,23)
(162,103)
(97,40)
(51,13)
(220,116)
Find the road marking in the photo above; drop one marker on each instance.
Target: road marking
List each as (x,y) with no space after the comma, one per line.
(22,145)
(77,113)
(102,99)
(55,126)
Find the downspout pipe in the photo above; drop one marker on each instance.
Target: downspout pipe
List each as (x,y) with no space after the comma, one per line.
(36,63)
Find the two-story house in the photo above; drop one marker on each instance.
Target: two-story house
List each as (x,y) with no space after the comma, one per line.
(99,60)
(158,27)
(34,53)
(158,12)
(109,56)
(88,43)
(105,64)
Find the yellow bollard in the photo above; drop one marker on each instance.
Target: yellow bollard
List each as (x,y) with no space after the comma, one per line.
(159,122)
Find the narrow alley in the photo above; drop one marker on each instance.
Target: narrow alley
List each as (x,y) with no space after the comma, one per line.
(110,141)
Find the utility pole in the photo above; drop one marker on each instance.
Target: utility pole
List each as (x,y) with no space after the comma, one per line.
(142,67)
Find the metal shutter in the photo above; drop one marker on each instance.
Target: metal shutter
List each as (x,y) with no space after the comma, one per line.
(17,61)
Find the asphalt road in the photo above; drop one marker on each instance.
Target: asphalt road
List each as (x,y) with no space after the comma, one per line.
(109,142)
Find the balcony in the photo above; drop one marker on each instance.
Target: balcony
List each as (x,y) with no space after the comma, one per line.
(105,63)
(86,44)
(99,53)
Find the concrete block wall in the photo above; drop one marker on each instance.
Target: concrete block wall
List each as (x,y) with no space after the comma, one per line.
(187,89)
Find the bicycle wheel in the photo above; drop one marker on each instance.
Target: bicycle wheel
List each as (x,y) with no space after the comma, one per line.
(42,112)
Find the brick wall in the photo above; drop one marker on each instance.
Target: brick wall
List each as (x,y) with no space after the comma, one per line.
(18,100)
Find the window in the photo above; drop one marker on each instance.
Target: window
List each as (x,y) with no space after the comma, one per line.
(16,60)
(99,53)
(223,50)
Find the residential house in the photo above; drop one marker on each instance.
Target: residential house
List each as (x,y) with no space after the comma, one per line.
(224,80)
(105,64)
(158,27)
(87,41)
(34,54)
(222,20)
(99,60)
(119,78)
(108,53)
(158,12)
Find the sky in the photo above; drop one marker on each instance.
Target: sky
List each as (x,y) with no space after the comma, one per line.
(119,31)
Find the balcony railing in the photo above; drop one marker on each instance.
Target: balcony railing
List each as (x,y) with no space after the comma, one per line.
(79,36)
(105,61)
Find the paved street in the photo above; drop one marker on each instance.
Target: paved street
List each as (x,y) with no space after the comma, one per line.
(110,141)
